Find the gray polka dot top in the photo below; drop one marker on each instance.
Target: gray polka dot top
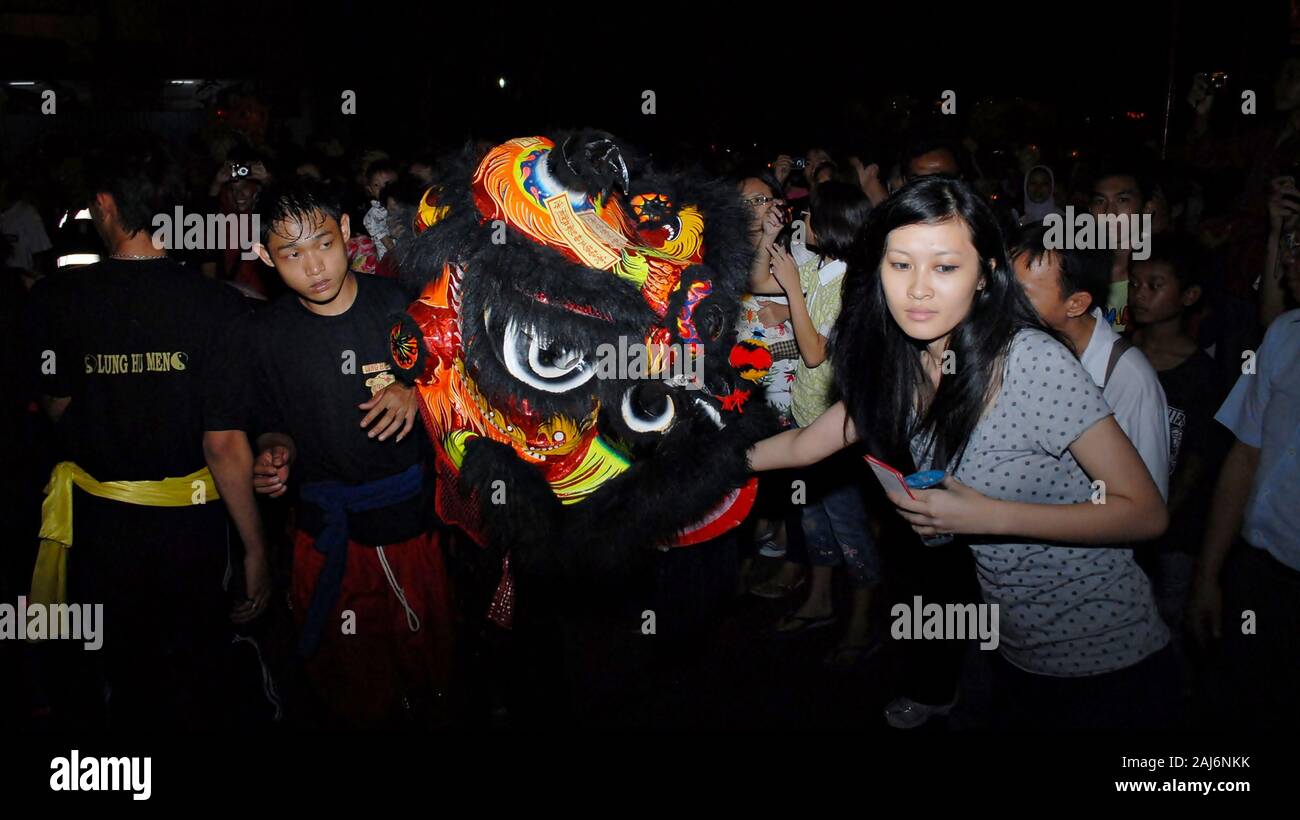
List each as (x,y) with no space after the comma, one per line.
(1063,610)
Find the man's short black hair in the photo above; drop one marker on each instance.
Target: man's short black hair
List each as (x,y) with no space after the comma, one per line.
(380,166)
(1126,166)
(1082,271)
(406,190)
(294,199)
(925,144)
(1182,255)
(140,175)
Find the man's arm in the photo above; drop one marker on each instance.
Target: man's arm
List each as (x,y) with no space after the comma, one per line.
(1243,413)
(761,280)
(230,459)
(45,347)
(1227,509)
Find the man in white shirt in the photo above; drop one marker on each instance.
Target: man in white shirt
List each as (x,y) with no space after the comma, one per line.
(1067,288)
(21,225)
(1133,391)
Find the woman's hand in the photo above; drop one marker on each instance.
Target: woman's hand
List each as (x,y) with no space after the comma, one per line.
(1282,209)
(772,224)
(869,181)
(954,509)
(258,173)
(784,269)
(781,168)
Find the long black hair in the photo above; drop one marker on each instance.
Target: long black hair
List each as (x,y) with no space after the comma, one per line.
(838,211)
(878,368)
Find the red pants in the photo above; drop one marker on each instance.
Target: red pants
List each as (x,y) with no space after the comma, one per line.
(370,660)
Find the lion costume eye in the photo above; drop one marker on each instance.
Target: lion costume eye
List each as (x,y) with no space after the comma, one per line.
(642,414)
(534,359)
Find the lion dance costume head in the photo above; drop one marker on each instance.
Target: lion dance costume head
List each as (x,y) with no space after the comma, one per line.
(573,351)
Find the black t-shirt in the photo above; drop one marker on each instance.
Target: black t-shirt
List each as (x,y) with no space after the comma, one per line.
(1194,392)
(306,376)
(131,343)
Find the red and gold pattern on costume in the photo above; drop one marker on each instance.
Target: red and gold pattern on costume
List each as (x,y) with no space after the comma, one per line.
(429,211)
(698,292)
(512,184)
(405,346)
(566,450)
(751,358)
(650,207)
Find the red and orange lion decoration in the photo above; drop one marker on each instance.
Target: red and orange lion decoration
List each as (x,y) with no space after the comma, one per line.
(572,346)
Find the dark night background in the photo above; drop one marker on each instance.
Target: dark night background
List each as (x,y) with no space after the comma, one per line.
(427,76)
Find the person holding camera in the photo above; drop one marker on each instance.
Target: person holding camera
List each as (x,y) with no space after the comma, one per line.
(234,190)
(1283,240)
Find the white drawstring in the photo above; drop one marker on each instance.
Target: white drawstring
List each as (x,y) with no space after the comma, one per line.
(268,684)
(412,620)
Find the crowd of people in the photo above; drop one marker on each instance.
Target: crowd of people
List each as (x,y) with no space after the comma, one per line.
(1117,428)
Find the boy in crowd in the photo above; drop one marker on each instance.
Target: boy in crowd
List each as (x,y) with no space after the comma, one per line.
(1163,290)
(379,175)
(368,587)
(1065,287)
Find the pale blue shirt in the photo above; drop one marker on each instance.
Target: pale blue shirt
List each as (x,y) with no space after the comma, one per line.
(1263,411)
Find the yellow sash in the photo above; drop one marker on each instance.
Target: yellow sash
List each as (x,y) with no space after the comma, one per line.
(50,578)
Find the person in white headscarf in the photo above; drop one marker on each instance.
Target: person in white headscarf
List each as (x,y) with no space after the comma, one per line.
(1040,187)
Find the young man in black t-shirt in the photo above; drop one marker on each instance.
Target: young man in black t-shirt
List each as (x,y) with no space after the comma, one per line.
(124,354)
(368,584)
(1163,290)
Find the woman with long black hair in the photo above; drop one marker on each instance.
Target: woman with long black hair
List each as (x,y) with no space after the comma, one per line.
(942,362)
